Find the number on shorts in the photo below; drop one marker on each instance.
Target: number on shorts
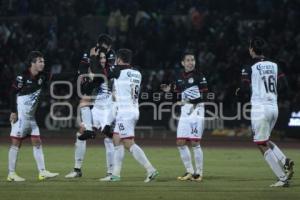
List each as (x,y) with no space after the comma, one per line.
(121,127)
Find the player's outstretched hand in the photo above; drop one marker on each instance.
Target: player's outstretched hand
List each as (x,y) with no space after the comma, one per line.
(165,87)
(13,117)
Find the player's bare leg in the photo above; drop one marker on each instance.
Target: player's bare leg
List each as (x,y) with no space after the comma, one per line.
(198,156)
(39,158)
(12,160)
(186,158)
(274,164)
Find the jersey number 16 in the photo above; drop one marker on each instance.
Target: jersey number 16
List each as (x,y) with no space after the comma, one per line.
(270,84)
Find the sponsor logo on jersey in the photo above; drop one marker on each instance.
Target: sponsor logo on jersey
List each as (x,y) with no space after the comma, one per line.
(135,75)
(191,80)
(40,81)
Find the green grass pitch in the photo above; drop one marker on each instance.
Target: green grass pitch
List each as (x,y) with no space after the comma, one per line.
(230,174)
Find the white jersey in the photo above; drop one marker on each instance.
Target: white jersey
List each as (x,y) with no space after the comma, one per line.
(126,88)
(263,79)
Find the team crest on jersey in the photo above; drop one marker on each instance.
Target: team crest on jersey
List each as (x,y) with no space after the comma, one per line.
(191,80)
(40,81)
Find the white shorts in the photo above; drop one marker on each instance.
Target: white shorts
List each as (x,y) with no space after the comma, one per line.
(102,117)
(191,125)
(263,120)
(125,123)
(24,127)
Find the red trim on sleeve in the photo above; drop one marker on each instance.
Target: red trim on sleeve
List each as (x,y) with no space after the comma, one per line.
(246,80)
(83,61)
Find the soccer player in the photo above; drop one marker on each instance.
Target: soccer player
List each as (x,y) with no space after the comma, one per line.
(263,77)
(103,112)
(193,88)
(96,64)
(25,95)
(126,87)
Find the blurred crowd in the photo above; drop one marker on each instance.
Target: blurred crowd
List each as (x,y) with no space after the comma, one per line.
(158,31)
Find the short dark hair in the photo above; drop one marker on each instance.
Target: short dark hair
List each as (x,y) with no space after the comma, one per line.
(104,39)
(258,44)
(32,56)
(125,55)
(187,53)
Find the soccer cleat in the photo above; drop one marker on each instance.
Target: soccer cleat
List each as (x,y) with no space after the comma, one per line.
(115,178)
(13,176)
(151,177)
(197,177)
(46,174)
(77,173)
(87,134)
(187,176)
(281,184)
(289,168)
(106,178)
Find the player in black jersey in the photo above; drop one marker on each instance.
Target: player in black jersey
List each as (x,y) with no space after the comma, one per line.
(25,95)
(89,66)
(192,86)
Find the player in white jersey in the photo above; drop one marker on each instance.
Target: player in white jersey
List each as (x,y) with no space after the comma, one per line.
(193,88)
(101,115)
(25,96)
(264,78)
(126,87)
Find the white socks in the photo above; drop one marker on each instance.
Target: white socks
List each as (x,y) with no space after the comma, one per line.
(80,149)
(109,150)
(198,156)
(140,156)
(185,155)
(275,165)
(278,153)
(118,159)
(86,117)
(37,154)
(12,158)
(39,157)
